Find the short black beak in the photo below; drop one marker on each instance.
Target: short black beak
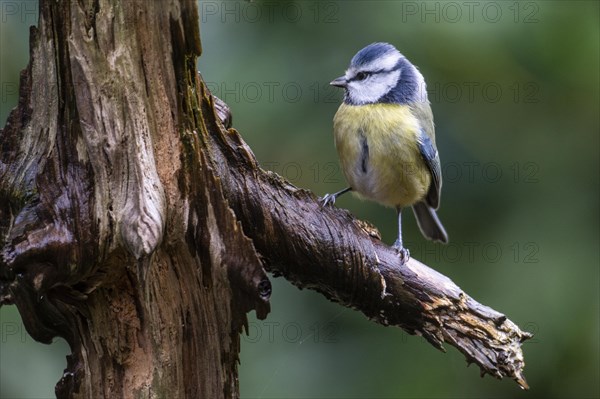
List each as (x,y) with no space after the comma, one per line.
(339,82)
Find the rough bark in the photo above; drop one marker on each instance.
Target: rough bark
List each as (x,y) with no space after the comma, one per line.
(116,234)
(136,225)
(328,250)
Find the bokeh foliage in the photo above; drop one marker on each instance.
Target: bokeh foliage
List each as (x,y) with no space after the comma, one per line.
(515,93)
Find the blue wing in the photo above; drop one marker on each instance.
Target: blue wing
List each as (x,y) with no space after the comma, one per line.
(432,160)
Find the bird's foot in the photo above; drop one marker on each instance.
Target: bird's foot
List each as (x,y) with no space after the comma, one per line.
(328,199)
(402,252)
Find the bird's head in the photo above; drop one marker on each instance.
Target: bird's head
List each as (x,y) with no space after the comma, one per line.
(379,73)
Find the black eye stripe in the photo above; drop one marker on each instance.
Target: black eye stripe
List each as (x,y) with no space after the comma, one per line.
(366,74)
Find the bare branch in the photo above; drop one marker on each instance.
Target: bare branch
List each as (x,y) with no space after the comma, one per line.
(328,250)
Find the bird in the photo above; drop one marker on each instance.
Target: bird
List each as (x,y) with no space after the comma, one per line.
(385,139)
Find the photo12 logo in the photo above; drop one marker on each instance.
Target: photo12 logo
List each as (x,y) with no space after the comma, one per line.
(473,252)
(25,11)
(273,91)
(291,332)
(242,11)
(8,90)
(526,12)
(12,331)
(487,92)
(466,172)
(252,92)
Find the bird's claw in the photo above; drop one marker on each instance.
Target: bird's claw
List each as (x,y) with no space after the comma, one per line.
(402,252)
(328,199)
(404,255)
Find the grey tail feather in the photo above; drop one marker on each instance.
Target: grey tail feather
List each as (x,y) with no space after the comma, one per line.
(428,222)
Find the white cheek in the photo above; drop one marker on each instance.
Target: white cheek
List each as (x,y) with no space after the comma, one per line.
(421,94)
(372,89)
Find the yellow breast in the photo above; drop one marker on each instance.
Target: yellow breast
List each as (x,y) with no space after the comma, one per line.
(379,153)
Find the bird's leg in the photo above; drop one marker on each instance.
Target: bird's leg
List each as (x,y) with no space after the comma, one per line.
(329,199)
(403,252)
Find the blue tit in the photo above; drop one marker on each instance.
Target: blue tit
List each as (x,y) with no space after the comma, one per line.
(385,138)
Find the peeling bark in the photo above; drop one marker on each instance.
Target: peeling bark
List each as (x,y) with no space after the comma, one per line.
(116,233)
(136,224)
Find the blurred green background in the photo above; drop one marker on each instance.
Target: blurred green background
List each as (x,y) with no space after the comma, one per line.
(515,93)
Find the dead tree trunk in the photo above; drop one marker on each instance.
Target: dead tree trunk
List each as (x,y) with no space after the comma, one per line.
(132,219)
(117,235)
